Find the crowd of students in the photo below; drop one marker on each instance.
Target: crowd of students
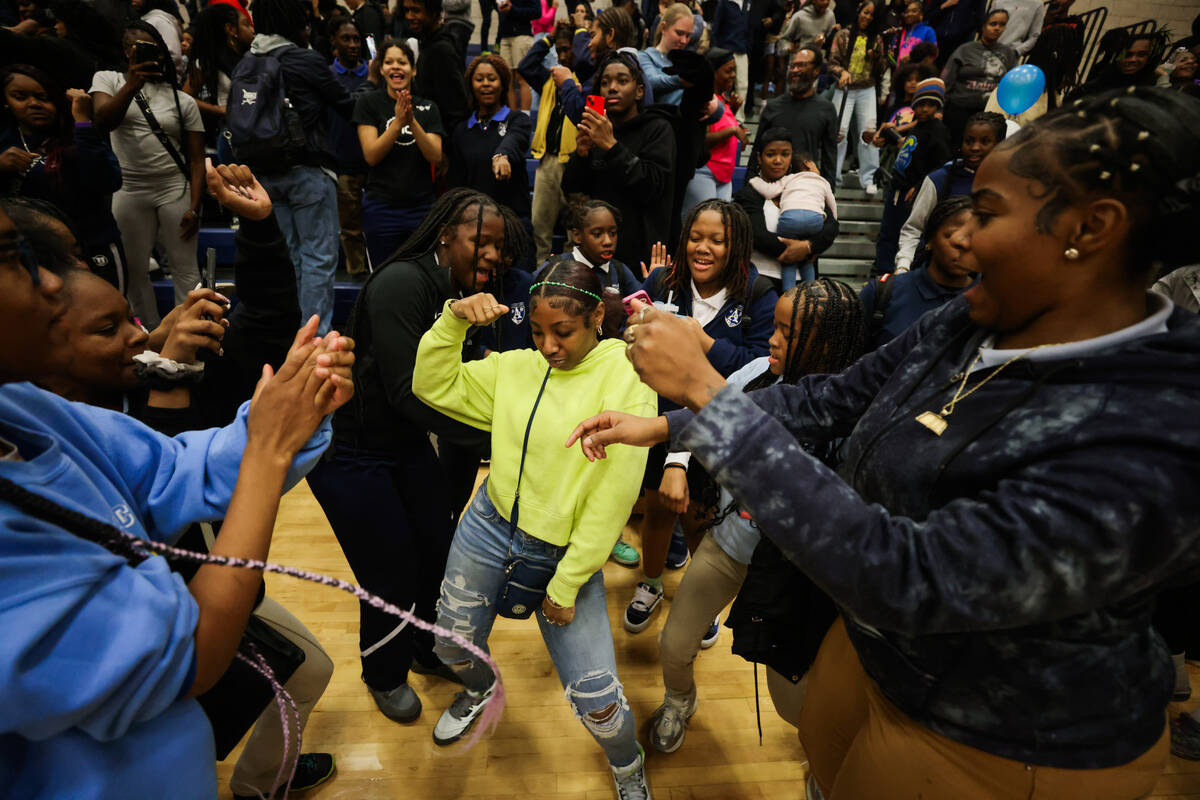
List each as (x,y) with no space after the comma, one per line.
(957,601)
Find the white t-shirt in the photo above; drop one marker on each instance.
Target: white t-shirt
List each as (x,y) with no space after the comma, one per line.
(145,164)
(762,262)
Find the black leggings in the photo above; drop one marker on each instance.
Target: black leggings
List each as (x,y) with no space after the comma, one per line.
(392,518)
(486,7)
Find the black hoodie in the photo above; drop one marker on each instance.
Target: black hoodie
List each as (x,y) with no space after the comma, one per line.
(395,308)
(637,176)
(439,77)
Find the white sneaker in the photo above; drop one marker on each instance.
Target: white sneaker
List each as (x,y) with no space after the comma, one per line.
(458,718)
(669,722)
(871,190)
(631,780)
(646,599)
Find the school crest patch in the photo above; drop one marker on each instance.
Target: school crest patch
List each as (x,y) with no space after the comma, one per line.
(518,313)
(734,317)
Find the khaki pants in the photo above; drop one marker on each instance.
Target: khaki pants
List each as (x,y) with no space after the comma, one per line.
(861,746)
(711,582)
(548,200)
(256,769)
(349,201)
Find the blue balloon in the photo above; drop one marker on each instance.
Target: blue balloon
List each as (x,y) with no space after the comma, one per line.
(1020,88)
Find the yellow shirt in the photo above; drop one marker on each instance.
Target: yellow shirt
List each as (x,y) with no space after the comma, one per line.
(565,499)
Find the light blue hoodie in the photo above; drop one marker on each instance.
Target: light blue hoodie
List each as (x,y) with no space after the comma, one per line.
(96,656)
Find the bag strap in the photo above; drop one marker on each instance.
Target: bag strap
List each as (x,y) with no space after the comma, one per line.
(883,298)
(162,136)
(516,511)
(754,293)
(73,522)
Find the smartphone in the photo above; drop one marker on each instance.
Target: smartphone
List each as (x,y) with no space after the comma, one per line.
(210,269)
(370,45)
(640,294)
(596,103)
(144,52)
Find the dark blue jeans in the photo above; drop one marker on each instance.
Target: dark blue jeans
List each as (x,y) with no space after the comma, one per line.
(385,228)
(895,214)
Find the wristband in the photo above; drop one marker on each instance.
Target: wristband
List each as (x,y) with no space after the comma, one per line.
(675,465)
(150,367)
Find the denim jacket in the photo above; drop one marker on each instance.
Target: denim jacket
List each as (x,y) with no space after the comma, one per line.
(998,580)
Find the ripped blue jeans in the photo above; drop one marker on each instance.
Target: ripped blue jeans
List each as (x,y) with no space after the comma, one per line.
(582,651)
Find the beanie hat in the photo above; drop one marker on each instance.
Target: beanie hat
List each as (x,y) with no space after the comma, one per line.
(930,89)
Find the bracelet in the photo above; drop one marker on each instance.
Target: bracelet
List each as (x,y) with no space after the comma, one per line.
(149,366)
(675,464)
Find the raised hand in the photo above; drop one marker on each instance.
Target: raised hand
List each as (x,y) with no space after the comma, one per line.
(81,105)
(658,258)
(288,406)
(479,309)
(404,108)
(236,188)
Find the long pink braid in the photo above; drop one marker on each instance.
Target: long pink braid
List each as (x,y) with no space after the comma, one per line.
(285,702)
(495,703)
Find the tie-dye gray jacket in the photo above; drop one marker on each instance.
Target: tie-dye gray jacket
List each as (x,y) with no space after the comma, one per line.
(997,581)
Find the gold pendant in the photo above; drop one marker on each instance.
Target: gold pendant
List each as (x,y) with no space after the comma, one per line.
(933,421)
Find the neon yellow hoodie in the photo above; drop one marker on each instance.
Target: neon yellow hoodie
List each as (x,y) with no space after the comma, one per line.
(565,500)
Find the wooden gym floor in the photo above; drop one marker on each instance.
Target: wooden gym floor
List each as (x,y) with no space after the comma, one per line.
(539,750)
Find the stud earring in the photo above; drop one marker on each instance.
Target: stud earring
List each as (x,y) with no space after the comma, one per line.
(1071,254)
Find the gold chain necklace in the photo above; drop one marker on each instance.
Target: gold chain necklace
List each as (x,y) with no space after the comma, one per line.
(936,420)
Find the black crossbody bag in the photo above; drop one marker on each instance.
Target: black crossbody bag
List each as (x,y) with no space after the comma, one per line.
(242,694)
(525,580)
(161,135)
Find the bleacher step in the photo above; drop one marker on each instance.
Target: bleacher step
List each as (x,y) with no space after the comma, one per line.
(860,210)
(849,246)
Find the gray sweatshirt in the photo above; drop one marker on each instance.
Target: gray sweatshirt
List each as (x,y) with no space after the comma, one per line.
(1025,18)
(805,26)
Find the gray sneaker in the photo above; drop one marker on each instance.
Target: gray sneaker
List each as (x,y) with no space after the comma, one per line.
(631,780)
(400,704)
(460,716)
(669,722)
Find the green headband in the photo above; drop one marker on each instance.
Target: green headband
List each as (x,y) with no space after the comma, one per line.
(565,286)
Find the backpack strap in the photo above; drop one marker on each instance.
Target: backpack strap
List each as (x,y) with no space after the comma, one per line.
(754,292)
(883,298)
(162,136)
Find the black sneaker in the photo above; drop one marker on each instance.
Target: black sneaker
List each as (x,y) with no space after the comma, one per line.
(312,770)
(677,555)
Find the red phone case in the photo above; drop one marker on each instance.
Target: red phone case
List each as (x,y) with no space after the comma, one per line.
(596,103)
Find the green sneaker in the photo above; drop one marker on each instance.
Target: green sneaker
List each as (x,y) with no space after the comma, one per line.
(625,554)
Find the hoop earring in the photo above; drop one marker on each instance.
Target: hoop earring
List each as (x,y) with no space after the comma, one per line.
(1071,254)
(599,332)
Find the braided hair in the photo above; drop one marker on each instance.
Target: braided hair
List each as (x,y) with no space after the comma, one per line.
(211,54)
(942,213)
(993,120)
(578,213)
(828,333)
(456,207)
(1133,145)
(739,243)
(576,289)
